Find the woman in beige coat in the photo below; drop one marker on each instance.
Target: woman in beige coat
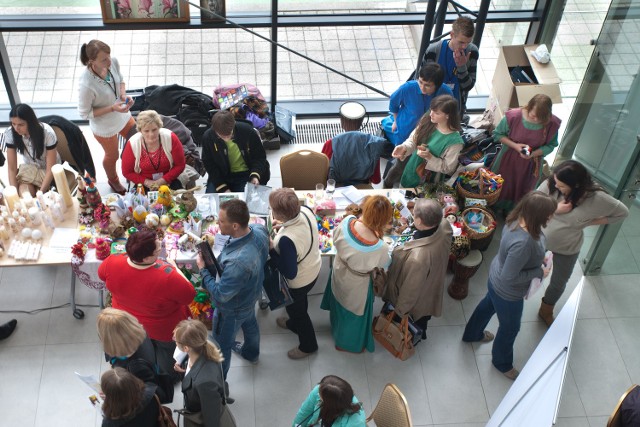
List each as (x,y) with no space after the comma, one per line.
(415,283)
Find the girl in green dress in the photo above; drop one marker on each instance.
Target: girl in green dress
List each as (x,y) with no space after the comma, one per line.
(435,144)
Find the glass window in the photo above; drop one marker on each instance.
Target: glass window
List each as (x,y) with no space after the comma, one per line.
(380,56)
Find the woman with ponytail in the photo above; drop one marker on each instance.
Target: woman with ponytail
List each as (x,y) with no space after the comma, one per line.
(104,102)
(203,385)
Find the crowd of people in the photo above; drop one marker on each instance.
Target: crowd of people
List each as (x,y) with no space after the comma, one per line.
(149,322)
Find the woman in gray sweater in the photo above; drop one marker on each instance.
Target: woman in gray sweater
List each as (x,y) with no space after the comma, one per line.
(581,203)
(519,260)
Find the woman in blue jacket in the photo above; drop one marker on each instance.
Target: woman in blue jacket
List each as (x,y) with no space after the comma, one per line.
(331,403)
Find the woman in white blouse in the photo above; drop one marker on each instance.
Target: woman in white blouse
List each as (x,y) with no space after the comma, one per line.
(104,102)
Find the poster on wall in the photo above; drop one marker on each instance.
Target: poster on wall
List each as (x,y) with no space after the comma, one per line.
(215,6)
(135,11)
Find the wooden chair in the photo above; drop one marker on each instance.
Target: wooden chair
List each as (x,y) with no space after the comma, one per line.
(392,409)
(614,419)
(303,169)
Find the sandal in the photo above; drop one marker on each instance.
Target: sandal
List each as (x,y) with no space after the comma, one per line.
(117,187)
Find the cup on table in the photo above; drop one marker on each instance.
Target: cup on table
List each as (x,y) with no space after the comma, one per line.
(331,188)
(319,191)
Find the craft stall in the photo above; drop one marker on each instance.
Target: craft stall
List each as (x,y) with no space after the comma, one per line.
(56,228)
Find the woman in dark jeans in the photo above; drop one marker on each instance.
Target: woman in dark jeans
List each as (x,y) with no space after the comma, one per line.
(294,251)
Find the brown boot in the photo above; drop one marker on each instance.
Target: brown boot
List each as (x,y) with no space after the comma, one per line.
(546,313)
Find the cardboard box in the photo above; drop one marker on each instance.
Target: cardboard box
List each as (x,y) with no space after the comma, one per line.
(512,95)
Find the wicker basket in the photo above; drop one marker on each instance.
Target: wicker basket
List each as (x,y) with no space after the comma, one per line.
(480,241)
(483,193)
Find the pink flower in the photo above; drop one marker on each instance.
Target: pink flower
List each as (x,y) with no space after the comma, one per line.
(124,8)
(168,5)
(145,6)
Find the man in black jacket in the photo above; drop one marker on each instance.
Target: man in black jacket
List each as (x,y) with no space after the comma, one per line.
(233,155)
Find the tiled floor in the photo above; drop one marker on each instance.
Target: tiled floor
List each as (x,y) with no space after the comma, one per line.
(447,383)
(47,68)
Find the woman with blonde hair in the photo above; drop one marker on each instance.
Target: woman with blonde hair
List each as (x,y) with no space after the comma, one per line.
(128,402)
(203,385)
(349,293)
(126,345)
(527,134)
(154,156)
(104,102)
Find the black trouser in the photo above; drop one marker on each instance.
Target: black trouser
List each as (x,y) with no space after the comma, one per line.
(299,321)
(394,173)
(422,324)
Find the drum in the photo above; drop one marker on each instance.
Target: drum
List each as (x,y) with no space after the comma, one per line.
(352,115)
(463,270)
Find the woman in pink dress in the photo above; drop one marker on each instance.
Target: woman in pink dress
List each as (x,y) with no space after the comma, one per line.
(528,134)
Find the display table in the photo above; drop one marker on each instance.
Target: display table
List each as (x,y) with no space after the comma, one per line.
(52,252)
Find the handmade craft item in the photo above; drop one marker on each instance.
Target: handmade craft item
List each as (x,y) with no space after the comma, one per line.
(61,184)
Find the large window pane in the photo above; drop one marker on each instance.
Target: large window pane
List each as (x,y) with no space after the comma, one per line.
(47,66)
(382,57)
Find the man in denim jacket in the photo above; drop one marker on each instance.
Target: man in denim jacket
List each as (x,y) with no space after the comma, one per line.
(238,288)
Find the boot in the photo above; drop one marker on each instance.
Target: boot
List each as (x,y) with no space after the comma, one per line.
(546,313)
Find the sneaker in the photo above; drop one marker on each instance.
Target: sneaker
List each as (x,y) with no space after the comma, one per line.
(282,322)
(295,353)
(237,348)
(512,374)
(7,329)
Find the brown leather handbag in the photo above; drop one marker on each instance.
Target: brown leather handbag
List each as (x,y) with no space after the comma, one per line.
(394,336)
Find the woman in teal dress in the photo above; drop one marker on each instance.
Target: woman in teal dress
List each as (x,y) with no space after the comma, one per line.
(349,293)
(434,146)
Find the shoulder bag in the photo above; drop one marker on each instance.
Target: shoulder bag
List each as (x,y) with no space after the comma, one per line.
(275,284)
(165,419)
(378,277)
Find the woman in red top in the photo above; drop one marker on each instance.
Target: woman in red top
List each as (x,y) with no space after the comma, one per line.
(154,156)
(154,291)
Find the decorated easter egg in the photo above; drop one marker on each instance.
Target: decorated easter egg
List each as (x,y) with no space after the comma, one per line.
(152,220)
(165,220)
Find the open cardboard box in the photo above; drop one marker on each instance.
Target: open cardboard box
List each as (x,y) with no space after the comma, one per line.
(513,95)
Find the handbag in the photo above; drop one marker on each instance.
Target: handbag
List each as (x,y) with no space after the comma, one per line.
(379,279)
(194,419)
(394,336)
(275,285)
(165,419)
(414,330)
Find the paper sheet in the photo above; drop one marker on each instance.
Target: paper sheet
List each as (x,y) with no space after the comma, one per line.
(62,239)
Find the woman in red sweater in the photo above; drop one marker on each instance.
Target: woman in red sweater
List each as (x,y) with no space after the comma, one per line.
(154,156)
(154,291)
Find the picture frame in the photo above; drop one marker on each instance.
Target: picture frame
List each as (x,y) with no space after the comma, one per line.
(217,6)
(136,11)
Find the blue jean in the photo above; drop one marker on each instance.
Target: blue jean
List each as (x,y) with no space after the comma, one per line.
(509,316)
(227,325)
